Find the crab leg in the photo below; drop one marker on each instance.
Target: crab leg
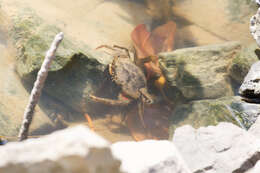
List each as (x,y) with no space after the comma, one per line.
(110,101)
(141,112)
(113,48)
(88,118)
(123,48)
(106,46)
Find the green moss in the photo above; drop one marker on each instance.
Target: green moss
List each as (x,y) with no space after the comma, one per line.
(189,80)
(201,113)
(241,63)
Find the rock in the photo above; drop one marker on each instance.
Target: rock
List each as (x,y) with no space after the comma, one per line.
(200,72)
(72,150)
(211,112)
(255,128)
(153,156)
(254,27)
(75,71)
(250,87)
(255,169)
(217,149)
(14,99)
(78,149)
(241,64)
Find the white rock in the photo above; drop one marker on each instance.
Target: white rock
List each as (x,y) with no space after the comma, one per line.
(149,156)
(255,128)
(217,149)
(75,149)
(256,169)
(255,27)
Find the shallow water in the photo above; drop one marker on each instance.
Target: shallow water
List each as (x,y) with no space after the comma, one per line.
(111,22)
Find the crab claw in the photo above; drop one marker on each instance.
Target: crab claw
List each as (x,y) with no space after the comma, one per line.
(88,118)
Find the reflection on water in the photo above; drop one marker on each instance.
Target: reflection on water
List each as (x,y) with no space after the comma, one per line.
(111,22)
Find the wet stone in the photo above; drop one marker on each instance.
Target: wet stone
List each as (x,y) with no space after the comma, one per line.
(211,112)
(200,72)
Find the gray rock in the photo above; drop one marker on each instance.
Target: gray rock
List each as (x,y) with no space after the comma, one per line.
(254,27)
(80,150)
(14,99)
(217,149)
(75,71)
(255,169)
(149,156)
(72,150)
(250,87)
(255,128)
(211,112)
(200,72)
(241,64)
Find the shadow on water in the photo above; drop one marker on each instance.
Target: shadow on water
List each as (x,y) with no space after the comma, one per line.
(180,81)
(160,12)
(72,83)
(61,84)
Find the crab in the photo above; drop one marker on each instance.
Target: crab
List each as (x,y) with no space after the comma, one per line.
(130,78)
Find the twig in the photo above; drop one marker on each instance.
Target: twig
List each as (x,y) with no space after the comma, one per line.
(38,85)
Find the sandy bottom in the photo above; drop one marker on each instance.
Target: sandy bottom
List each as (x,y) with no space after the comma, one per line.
(111,128)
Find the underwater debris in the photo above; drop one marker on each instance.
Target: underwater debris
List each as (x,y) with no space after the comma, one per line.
(147,45)
(38,85)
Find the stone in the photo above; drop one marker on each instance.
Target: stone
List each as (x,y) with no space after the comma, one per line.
(75,71)
(217,149)
(255,128)
(76,149)
(80,150)
(241,64)
(254,27)
(255,169)
(14,99)
(149,156)
(250,87)
(200,72)
(211,112)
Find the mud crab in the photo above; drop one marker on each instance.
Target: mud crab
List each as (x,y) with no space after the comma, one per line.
(131,80)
